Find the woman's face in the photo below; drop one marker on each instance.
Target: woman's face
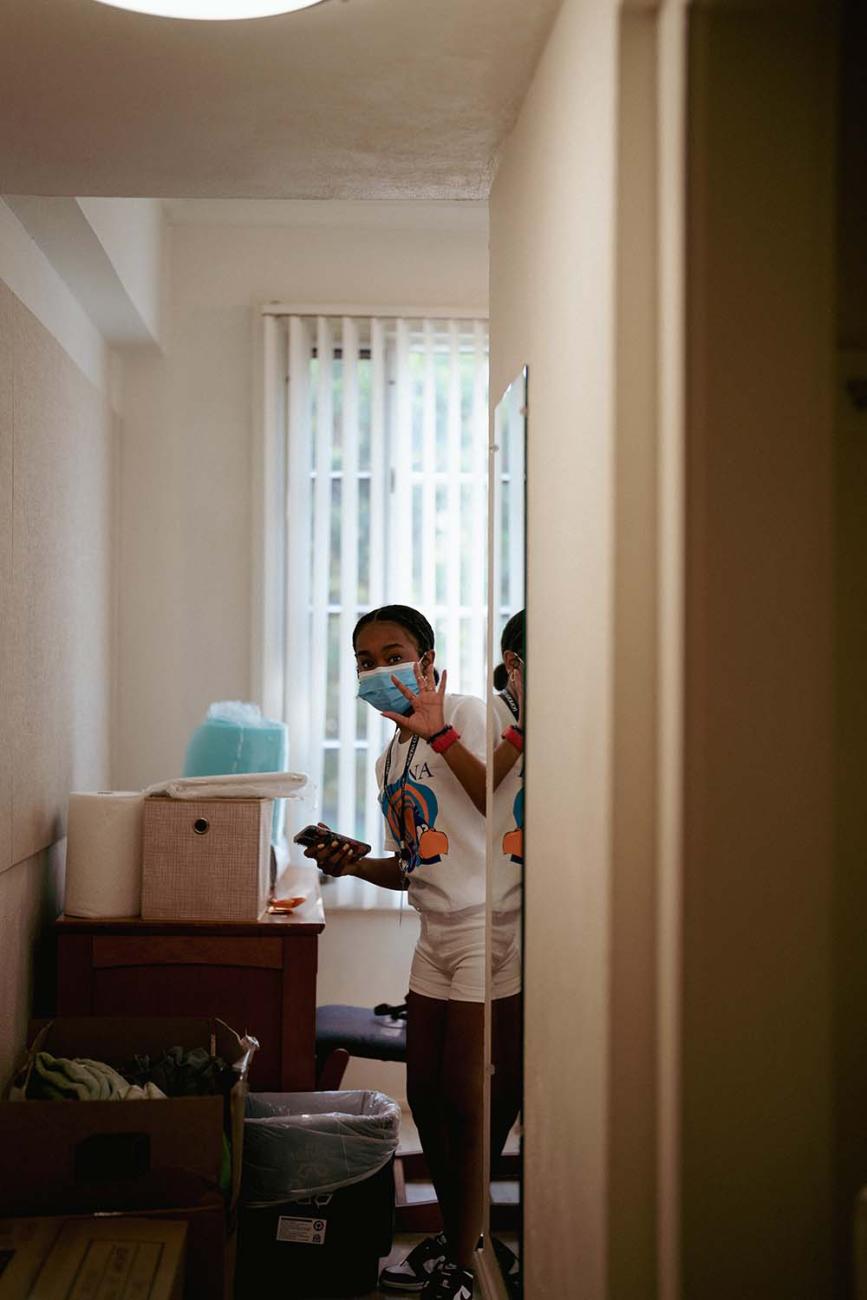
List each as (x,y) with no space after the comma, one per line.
(385,645)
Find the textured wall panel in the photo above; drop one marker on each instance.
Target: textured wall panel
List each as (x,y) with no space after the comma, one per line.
(60,606)
(29,900)
(55,601)
(6,481)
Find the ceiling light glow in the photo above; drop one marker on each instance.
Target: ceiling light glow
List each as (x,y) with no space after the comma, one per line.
(211,10)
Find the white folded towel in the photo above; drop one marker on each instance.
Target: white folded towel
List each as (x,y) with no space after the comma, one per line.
(240,785)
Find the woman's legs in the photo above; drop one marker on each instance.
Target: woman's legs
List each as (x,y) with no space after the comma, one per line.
(507,1080)
(445,1071)
(463,1095)
(425,1041)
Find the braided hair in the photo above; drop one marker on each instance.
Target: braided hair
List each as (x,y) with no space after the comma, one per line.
(512,639)
(404,616)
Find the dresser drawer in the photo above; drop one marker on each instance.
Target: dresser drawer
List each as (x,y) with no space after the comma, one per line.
(189,950)
(261,979)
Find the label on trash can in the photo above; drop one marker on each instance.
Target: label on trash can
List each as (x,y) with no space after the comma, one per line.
(311,1231)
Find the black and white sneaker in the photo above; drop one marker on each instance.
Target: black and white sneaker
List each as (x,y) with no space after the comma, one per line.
(414,1272)
(510,1266)
(450,1282)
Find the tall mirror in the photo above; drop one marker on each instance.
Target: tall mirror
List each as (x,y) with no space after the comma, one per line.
(385,695)
(505,847)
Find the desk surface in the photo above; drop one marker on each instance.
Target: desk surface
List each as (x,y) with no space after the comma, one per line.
(305,920)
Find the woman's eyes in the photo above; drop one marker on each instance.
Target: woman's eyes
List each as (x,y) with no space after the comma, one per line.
(365,666)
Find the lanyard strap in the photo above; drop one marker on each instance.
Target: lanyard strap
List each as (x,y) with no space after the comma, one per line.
(413,746)
(511,702)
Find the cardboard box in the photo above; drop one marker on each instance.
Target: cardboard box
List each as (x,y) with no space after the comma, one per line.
(210,1250)
(210,1272)
(93,1259)
(24,1247)
(114,1259)
(205,859)
(61,1157)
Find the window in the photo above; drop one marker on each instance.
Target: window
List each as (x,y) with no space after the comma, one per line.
(386,431)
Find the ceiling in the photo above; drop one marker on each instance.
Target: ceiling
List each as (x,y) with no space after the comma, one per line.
(370,99)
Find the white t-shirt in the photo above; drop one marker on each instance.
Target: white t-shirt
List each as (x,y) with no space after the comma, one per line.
(508,867)
(441,823)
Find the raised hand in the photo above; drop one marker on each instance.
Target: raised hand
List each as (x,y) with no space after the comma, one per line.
(427,717)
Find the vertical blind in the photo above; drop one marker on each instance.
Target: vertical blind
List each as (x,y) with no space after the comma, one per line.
(386,502)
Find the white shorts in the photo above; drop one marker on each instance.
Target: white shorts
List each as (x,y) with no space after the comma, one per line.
(449,960)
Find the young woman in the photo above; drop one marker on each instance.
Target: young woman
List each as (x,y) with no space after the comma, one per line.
(509,771)
(506,899)
(432,792)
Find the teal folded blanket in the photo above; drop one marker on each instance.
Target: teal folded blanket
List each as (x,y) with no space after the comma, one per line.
(235,737)
(56,1078)
(194,1073)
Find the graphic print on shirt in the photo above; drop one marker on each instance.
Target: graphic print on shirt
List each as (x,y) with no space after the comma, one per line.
(513,841)
(424,842)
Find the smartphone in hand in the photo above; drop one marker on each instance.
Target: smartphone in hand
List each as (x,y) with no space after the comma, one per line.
(312,836)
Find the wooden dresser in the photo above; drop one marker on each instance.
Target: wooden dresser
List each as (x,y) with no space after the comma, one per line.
(258,976)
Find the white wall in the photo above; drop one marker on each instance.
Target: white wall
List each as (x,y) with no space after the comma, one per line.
(36,283)
(187,528)
(552,307)
(132,233)
(57,436)
(758,874)
(110,253)
(364,959)
(715,454)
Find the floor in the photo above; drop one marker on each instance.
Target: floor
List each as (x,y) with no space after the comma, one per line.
(404,1242)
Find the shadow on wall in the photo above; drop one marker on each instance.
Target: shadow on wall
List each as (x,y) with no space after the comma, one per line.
(31,895)
(50,877)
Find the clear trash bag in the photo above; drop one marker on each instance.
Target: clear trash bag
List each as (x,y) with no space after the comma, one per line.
(303,1144)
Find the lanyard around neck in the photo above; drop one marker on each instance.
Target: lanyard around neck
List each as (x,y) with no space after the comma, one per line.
(413,746)
(511,702)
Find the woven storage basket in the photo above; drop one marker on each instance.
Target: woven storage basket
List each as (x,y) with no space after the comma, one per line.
(205,859)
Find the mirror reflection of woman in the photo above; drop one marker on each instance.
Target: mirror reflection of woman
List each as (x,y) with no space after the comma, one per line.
(432,793)
(506,900)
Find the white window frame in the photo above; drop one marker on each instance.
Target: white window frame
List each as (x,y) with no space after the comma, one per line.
(269,578)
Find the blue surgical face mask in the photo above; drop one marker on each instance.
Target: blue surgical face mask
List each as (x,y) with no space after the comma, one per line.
(377,689)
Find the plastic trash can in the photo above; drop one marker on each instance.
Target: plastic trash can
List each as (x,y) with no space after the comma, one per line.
(317,1193)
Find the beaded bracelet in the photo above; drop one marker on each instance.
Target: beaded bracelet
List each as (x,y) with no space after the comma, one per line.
(515,736)
(443,740)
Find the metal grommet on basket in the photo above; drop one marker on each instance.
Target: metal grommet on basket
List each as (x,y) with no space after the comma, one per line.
(201,825)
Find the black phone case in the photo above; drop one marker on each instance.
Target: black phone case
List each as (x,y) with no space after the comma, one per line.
(310,835)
